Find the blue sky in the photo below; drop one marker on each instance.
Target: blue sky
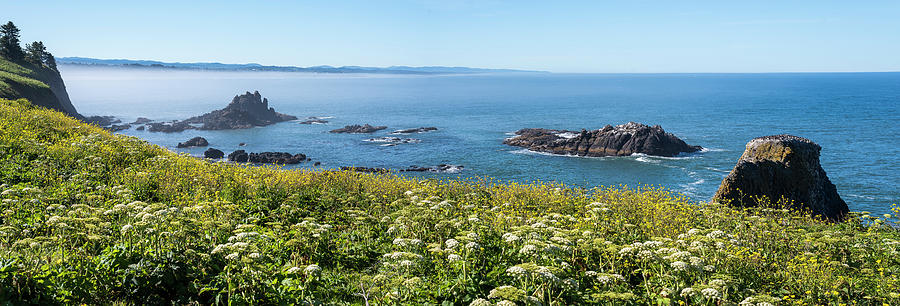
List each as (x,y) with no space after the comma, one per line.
(559,36)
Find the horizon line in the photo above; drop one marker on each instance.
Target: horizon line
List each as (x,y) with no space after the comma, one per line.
(513,70)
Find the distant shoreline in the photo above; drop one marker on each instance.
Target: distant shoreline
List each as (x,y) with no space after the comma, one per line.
(147,64)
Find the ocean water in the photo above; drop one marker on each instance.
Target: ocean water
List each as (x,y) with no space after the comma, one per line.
(853,116)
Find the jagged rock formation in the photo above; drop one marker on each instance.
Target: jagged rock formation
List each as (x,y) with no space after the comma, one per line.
(782,167)
(358,129)
(244,111)
(242,156)
(620,140)
(194,142)
(213,153)
(416,130)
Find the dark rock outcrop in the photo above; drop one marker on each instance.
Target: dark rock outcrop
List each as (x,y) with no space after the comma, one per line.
(140,128)
(416,130)
(174,127)
(242,156)
(620,140)
(244,111)
(194,142)
(142,120)
(778,168)
(276,158)
(213,153)
(239,156)
(358,129)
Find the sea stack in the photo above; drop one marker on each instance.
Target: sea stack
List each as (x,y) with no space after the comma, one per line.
(245,111)
(620,140)
(782,167)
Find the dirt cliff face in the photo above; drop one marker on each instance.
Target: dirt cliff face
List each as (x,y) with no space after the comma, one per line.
(782,168)
(620,140)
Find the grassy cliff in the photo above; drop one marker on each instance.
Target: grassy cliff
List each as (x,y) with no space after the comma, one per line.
(40,85)
(91,217)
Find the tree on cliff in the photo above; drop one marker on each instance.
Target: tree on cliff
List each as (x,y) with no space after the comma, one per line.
(50,60)
(36,53)
(9,42)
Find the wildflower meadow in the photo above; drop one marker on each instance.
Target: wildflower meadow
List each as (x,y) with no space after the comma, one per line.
(95,218)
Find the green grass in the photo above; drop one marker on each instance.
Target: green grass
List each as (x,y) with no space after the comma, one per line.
(17,80)
(91,217)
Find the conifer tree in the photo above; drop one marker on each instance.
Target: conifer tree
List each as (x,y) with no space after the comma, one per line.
(9,42)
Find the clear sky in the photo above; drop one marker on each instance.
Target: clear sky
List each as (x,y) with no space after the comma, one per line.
(559,36)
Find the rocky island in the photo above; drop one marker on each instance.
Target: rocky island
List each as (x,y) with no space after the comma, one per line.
(778,169)
(245,111)
(620,140)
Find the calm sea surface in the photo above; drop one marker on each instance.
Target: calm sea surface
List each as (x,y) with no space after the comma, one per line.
(853,116)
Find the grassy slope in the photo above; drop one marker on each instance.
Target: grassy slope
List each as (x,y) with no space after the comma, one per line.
(90,217)
(25,81)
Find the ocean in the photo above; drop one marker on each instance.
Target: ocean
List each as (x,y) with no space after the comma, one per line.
(853,116)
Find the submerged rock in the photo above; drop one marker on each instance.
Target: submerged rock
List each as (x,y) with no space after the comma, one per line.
(782,167)
(358,129)
(244,111)
(438,168)
(194,142)
(314,120)
(416,130)
(393,140)
(213,153)
(366,169)
(620,140)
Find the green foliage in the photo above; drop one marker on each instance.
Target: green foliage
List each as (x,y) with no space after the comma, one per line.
(95,218)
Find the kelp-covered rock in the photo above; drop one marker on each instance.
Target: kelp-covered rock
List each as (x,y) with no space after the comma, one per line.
(244,111)
(782,167)
(620,140)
